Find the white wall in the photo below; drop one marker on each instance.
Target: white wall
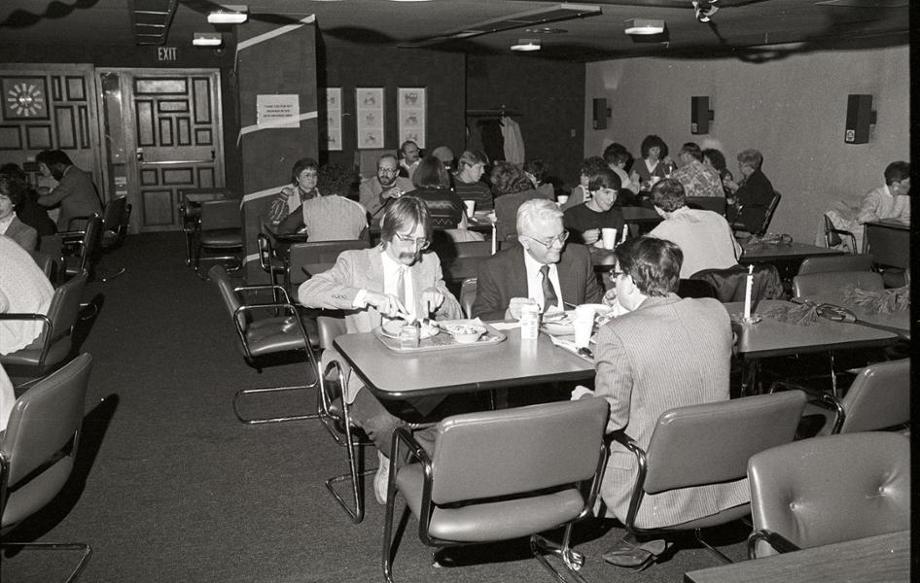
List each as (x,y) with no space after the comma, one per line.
(793,110)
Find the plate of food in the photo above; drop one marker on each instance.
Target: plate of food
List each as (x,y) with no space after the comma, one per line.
(391,328)
(558,323)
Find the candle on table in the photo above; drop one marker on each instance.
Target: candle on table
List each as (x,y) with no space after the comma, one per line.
(748,286)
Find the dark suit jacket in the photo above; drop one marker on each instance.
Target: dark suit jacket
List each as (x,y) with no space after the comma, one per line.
(503,276)
(77,196)
(753,197)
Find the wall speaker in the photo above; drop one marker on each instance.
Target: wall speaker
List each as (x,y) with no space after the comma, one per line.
(700,115)
(600,113)
(859,117)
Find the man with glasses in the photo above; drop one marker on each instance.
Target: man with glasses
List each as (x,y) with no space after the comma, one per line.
(375,193)
(541,267)
(665,352)
(394,279)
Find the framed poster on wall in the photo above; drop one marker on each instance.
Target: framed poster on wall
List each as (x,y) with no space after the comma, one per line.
(411,109)
(369,117)
(333,119)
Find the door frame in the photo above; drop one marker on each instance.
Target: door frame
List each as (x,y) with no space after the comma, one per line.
(129,123)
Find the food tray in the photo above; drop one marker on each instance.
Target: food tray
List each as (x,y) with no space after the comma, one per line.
(443,340)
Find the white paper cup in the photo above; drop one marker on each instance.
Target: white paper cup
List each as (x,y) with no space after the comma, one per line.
(583,323)
(609,236)
(562,199)
(470,207)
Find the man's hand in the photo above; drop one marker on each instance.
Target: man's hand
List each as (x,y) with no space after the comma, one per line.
(514,308)
(386,304)
(432,299)
(581,392)
(392,192)
(591,236)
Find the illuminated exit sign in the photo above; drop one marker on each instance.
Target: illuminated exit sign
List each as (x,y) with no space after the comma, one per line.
(167,53)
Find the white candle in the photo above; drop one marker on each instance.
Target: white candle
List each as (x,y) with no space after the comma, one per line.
(748,286)
(494,239)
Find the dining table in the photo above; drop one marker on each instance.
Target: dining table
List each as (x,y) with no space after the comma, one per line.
(897,321)
(766,337)
(513,363)
(884,557)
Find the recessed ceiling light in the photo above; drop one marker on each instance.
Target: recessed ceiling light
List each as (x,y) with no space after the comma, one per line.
(207,39)
(545,30)
(229,15)
(644,26)
(526,45)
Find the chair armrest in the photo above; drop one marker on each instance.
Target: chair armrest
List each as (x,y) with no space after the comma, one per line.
(81,218)
(779,543)
(639,486)
(276,288)
(788,386)
(47,328)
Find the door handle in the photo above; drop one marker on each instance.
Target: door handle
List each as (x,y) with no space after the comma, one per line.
(139,155)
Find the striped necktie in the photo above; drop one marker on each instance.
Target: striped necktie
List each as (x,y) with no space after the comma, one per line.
(549,294)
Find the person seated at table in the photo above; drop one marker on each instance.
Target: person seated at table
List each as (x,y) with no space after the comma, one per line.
(447,158)
(432,185)
(697,178)
(716,160)
(655,163)
(27,208)
(10,225)
(585,221)
(705,237)
(511,188)
(409,158)
(541,267)
(75,192)
(752,196)
(640,381)
(24,289)
(891,200)
(304,178)
(375,193)
(536,172)
(580,194)
(331,217)
(619,160)
(468,182)
(391,279)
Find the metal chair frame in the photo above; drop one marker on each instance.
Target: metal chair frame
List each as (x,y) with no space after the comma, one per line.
(85,240)
(834,236)
(222,221)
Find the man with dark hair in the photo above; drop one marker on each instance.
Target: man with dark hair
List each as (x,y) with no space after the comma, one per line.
(585,221)
(666,352)
(752,196)
(468,182)
(697,178)
(392,280)
(891,200)
(410,155)
(704,237)
(375,193)
(75,193)
(620,160)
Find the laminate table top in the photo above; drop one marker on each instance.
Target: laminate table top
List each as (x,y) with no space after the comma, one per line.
(512,363)
(897,322)
(783,252)
(884,557)
(770,337)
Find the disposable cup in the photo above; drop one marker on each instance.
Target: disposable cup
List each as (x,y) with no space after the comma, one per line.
(562,199)
(609,236)
(583,324)
(470,207)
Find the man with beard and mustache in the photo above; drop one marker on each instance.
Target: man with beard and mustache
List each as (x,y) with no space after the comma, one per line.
(375,193)
(372,285)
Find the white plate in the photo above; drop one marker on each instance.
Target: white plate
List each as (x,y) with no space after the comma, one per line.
(391,328)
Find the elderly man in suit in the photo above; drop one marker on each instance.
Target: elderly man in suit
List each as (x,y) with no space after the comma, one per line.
(391,279)
(541,267)
(665,352)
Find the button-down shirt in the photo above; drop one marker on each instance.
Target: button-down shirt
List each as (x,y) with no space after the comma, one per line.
(699,179)
(535,281)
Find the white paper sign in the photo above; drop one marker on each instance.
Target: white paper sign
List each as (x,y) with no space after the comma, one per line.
(272,110)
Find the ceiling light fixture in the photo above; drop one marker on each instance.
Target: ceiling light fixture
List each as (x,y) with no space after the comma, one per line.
(207,39)
(526,45)
(644,26)
(229,15)
(704,9)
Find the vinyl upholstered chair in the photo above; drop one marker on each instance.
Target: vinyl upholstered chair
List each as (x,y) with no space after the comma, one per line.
(825,263)
(321,254)
(334,412)
(38,449)
(833,282)
(836,238)
(80,246)
(729,283)
(53,346)
(265,329)
(219,230)
(709,444)
(500,475)
(826,490)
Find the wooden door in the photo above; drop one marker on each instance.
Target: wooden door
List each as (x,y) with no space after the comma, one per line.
(164,136)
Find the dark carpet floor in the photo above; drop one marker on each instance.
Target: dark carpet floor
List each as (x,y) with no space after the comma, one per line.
(169,486)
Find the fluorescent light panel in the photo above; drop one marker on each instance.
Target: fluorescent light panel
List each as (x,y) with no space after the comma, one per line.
(229,15)
(207,39)
(527,45)
(644,26)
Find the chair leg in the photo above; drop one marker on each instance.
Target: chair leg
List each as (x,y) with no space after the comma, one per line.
(355,507)
(572,560)
(40,546)
(719,554)
(242,393)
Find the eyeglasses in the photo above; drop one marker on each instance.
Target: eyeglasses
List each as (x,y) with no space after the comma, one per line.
(422,243)
(615,274)
(560,238)
(388,170)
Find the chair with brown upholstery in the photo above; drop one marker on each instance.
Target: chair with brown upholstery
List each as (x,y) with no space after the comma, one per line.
(321,255)
(825,490)
(334,412)
(709,444)
(500,475)
(38,449)
(824,263)
(265,328)
(53,346)
(729,283)
(219,230)
(833,282)
(461,260)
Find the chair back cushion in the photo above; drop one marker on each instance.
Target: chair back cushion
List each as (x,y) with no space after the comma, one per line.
(115,221)
(833,282)
(46,263)
(878,398)
(228,294)
(501,453)
(64,309)
(318,252)
(330,327)
(715,204)
(823,263)
(220,214)
(44,421)
(711,443)
(830,489)
(729,283)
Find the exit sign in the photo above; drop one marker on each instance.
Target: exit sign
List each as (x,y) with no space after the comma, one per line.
(167,53)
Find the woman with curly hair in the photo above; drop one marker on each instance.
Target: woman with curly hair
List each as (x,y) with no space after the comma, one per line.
(511,188)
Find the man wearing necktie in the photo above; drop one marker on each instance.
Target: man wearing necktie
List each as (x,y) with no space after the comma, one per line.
(541,267)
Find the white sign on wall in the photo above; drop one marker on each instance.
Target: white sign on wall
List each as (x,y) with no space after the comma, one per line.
(273,110)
